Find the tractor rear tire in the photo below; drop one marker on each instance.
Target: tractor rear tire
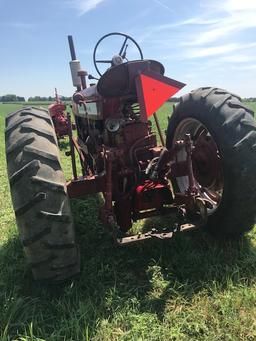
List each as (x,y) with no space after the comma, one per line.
(39,195)
(232,127)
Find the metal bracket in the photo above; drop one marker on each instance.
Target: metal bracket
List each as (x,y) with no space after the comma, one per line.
(143,236)
(123,241)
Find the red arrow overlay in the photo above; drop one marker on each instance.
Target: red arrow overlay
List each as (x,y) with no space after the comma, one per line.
(154,90)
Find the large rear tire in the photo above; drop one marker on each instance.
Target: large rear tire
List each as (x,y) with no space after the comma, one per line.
(39,195)
(230,127)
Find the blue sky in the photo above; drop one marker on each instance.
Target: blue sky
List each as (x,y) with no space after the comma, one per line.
(200,43)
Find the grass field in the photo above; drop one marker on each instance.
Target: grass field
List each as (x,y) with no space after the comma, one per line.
(188,288)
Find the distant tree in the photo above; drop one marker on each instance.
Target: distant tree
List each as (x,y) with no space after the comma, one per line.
(47,99)
(37,99)
(20,99)
(250,99)
(65,98)
(40,99)
(9,98)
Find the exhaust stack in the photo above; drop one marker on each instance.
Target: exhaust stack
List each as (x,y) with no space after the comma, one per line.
(74,65)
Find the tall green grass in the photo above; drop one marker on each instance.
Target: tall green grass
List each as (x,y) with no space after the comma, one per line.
(188,288)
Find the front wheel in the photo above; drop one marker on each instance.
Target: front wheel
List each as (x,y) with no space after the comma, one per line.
(223,131)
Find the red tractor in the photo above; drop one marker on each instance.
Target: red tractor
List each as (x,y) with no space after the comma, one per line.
(57,112)
(202,176)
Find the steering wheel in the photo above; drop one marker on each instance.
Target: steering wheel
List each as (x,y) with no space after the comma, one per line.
(120,56)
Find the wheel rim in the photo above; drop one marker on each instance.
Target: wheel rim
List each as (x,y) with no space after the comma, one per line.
(206,162)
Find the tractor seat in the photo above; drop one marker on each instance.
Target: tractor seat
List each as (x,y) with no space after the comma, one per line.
(120,80)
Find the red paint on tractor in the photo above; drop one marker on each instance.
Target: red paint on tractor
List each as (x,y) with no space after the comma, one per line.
(151,195)
(118,149)
(59,119)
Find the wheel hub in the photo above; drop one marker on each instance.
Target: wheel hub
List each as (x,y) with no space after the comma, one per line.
(206,161)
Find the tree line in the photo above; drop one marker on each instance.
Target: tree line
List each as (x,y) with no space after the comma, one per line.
(11,98)
(47,99)
(15,98)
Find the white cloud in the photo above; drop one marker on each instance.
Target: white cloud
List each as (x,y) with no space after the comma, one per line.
(219,20)
(237,58)
(17,24)
(84,6)
(211,51)
(240,5)
(229,17)
(197,21)
(213,44)
(227,26)
(218,50)
(245,67)
(161,4)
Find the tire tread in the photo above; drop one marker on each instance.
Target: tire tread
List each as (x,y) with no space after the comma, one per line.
(39,195)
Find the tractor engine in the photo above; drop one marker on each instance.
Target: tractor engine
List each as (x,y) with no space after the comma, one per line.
(129,145)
